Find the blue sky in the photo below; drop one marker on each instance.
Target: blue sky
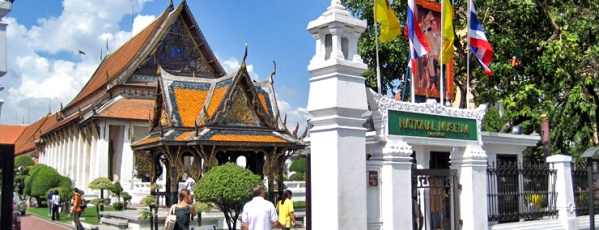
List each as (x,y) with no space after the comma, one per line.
(44,37)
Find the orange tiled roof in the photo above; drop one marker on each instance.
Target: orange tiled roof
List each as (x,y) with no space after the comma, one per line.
(10,133)
(116,62)
(147,141)
(129,108)
(189,104)
(26,141)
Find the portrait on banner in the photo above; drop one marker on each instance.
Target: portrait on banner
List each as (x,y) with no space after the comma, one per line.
(427,83)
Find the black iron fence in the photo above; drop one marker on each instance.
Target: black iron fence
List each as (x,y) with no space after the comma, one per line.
(580,181)
(520,191)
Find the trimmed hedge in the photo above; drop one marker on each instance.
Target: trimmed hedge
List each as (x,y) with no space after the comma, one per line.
(41,179)
(23,161)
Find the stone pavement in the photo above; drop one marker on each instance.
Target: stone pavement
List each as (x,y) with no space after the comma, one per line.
(32,222)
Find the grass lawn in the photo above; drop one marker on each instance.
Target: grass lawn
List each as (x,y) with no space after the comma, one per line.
(90,215)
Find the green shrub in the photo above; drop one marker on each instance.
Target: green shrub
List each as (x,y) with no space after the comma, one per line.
(118,206)
(228,188)
(298,166)
(117,189)
(41,180)
(299,204)
(23,161)
(297,177)
(126,198)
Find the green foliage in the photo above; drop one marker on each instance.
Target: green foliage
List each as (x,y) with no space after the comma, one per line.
(100,183)
(100,202)
(23,161)
(41,180)
(148,201)
(556,44)
(493,122)
(118,206)
(298,166)
(126,198)
(154,187)
(228,188)
(65,189)
(299,204)
(117,189)
(298,177)
(203,206)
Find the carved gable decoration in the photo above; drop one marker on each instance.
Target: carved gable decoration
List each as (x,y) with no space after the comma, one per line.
(178,54)
(239,111)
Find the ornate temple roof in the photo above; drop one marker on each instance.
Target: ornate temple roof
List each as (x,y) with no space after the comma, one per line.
(173,40)
(232,110)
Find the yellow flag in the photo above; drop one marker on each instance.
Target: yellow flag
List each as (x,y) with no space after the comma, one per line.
(447,32)
(390,27)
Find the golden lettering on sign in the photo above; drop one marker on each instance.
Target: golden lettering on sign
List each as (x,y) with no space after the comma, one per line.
(429,125)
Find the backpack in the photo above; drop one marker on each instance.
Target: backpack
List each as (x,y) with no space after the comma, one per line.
(82,203)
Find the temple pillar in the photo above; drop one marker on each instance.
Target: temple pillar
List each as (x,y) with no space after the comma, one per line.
(337,99)
(471,164)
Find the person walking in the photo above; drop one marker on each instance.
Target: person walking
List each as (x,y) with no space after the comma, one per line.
(259,214)
(183,210)
(285,210)
(49,201)
(56,206)
(77,209)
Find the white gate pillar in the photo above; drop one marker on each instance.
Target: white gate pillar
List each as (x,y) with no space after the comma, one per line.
(337,99)
(565,203)
(471,163)
(396,184)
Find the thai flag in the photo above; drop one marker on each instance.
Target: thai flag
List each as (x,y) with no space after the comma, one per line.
(479,45)
(418,45)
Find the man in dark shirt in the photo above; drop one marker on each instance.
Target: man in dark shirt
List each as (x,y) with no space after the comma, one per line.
(49,202)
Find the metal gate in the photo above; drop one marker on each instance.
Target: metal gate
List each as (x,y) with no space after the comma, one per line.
(435,194)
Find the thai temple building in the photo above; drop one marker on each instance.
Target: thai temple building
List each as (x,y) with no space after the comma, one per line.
(159,108)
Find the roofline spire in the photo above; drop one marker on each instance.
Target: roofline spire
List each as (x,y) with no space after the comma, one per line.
(274,71)
(245,55)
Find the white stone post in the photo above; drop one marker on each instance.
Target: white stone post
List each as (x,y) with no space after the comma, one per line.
(396,184)
(565,203)
(337,99)
(471,163)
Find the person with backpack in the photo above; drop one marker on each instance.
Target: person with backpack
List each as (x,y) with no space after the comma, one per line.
(56,206)
(78,204)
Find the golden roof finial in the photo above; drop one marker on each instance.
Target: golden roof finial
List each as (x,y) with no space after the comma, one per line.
(274,71)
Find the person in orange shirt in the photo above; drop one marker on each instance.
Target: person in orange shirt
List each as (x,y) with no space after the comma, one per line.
(77,209)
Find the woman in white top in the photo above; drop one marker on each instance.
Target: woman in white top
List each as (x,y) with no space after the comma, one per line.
(55,206)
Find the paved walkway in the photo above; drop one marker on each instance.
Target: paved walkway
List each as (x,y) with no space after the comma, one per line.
(33,222)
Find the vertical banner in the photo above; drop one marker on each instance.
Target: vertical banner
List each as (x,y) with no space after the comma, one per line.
(428,78)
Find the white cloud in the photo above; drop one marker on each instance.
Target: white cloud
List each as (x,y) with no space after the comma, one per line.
(44,61)
(232,64)
(295,116)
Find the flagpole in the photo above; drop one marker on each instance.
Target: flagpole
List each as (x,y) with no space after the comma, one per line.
(440,61)
(468,58)
(376,41)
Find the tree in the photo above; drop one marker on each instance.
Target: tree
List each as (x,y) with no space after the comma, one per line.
(23,161)
(299,167)
(42,179)
(555,70)
(228,188)
(101,183)
(117,189)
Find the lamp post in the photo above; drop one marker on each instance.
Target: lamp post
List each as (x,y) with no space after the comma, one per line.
(591,155)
